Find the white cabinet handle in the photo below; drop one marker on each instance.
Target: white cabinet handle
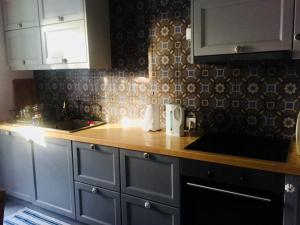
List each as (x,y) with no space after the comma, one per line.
(237,49)
(61,18)
(289,188)
(146,156)
(147,205)
(94,190)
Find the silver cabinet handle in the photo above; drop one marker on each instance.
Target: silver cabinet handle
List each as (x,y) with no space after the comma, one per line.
(146,156)
(93,147)
(237,49)
(61,18)
(64,60)
(94,190)
(147,205)
(229,192)
(289,188)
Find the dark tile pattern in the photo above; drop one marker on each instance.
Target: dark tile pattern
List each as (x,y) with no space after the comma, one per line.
(151,65)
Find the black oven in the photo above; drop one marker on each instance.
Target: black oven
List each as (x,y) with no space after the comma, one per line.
(222,195)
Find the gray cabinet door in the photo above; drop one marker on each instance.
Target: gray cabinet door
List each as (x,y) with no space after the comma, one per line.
(54,176)
(241,26)
(297,31)
(16,167)
(96,165)
(292,200)
(150,176)
(97,206)
(137,211)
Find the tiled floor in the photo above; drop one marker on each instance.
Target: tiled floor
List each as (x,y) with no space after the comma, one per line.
(13,205)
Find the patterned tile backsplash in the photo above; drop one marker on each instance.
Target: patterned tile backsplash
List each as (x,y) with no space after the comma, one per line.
(151,65)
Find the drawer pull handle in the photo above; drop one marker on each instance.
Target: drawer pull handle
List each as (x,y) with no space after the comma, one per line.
(94,190)
(65,61)
(20,25)
(147,205)
(297,37)
(146,156)
(8,133)
(93,147)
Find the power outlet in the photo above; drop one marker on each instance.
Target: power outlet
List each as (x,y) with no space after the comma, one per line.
(191,123)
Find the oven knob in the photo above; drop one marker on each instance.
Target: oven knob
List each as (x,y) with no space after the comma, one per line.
(210,174)
(243,180)
(289,188)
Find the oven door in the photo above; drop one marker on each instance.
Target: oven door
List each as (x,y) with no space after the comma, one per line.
(207,203)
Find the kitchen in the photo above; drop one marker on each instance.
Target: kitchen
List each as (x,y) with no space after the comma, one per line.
(150,112)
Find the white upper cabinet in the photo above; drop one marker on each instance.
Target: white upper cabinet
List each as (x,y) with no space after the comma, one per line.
(64,43)
(20,14)
(297,31)
(68,34)
(58,11)
(241,26)
(24,48)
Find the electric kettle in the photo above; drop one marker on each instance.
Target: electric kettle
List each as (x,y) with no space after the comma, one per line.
(174,120)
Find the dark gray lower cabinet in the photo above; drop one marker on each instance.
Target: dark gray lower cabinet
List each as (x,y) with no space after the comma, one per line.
(97,206)
(150,176)
(137,211)
(96,165)
(16,167)
(54,185)
(292,200)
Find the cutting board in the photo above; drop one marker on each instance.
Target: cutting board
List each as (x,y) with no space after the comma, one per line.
(24,93)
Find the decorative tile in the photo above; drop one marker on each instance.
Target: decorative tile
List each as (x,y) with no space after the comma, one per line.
(261,98)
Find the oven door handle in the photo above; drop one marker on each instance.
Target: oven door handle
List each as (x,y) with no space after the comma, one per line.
(229,192)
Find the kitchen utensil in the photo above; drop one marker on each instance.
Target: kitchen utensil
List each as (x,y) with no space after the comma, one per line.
(151,120)
(174,120)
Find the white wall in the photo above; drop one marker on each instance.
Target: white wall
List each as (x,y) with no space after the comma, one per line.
(6,78)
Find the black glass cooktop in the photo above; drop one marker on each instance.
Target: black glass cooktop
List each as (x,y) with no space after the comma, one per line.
(266,148)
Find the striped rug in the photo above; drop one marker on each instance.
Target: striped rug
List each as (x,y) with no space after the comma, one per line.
(27,216)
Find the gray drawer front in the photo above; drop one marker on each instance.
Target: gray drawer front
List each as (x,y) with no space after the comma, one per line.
(97,208)
(98,166)
(155,178)
(134,212)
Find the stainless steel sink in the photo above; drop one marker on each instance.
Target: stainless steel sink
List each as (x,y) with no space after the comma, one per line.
(68,125)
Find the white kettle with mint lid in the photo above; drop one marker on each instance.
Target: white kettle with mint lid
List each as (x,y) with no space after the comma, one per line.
(174,120)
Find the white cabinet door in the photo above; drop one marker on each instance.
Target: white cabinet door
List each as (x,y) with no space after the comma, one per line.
(64,43)
(57,11)
(24,48)
(297,31)
(241,26)
(20,14)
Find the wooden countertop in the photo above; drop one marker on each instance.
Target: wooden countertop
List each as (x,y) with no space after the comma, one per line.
(136,139)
